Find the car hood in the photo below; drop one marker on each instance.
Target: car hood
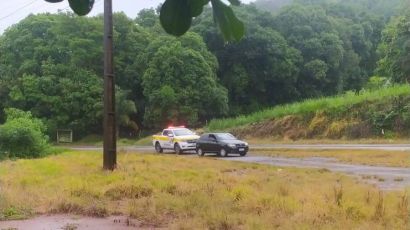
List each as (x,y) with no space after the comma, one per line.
(187,138)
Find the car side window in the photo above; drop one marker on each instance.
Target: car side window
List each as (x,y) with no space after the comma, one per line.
(212,137)
(165,133)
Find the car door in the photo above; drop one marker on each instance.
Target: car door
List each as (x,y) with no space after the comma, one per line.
(203,143)
(166,140)
(170,138)
(213,143)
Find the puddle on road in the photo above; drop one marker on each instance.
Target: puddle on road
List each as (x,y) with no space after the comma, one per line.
(68,222)
(386,178)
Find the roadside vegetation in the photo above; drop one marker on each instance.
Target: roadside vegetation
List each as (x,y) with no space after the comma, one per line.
(308,106)
(370,114)
(363,157)
(23,136)
(195,193)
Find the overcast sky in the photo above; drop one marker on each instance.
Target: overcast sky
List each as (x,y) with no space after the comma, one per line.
(16,10)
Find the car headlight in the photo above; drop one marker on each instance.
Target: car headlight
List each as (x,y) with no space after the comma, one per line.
(246,144)
(232,145)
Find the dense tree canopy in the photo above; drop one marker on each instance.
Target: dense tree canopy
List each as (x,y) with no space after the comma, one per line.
(395,50)
(180,82)
(51,64)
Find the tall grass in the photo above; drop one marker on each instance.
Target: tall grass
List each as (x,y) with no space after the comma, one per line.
(195,193)
(340,102)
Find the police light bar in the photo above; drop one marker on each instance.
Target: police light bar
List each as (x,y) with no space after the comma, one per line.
(181,126)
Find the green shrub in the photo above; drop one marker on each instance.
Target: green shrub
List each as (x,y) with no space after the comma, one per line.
(22,136)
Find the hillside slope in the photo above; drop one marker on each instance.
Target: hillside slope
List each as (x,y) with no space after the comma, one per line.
(369,114)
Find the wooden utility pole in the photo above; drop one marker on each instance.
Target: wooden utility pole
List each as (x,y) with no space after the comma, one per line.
(109,126)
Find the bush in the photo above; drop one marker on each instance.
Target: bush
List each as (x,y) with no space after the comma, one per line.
(22,136)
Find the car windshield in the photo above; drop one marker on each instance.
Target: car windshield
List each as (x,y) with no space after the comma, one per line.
(225,136)
(183,132)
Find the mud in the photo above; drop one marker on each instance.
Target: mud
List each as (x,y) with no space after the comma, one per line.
(386,178)
(69,222)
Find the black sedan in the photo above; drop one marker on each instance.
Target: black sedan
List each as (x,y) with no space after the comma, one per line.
(220,143)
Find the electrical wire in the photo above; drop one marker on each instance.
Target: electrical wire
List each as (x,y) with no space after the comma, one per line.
(12,5)
(18,9)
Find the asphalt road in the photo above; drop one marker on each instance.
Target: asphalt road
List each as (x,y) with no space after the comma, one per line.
(390,147)
(385,178)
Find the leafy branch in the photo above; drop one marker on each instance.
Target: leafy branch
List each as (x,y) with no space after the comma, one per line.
(176,15)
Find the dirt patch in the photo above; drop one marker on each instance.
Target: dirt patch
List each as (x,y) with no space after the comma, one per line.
(316,126)
(289,127)
(69,222)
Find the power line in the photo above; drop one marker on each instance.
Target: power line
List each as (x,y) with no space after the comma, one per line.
(42,7)
(12,5)
(18,9)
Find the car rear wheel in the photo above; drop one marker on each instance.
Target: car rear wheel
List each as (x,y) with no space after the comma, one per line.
(200,152)
(223,153)
(177,149)
(158,148)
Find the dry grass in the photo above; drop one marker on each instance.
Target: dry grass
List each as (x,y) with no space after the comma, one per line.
(366,157)
(333,104)
(196,193)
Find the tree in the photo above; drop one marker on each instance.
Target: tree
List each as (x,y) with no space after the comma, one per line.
(258,71)
(180,82)
(51,66)
(395,50)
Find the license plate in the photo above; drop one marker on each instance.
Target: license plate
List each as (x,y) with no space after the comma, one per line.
(241,149)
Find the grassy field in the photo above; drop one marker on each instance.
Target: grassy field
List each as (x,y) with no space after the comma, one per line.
(365,157)
(310,106)
(196,193)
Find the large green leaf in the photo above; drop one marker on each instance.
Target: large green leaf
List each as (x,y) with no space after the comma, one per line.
(197,6)
(81,7)
(231,27)
(175,16)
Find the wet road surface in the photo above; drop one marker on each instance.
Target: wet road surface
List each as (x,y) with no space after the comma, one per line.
(386,178)
(390,147)
(55,222)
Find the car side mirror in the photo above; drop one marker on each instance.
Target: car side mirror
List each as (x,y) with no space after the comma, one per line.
(170,135)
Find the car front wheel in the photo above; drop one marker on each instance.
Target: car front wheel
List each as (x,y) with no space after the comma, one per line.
(177,149)
(243,154)
(200,152)
(158,148)
(223,153)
